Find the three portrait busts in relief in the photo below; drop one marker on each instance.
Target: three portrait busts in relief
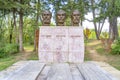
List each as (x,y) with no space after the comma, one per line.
(60,18)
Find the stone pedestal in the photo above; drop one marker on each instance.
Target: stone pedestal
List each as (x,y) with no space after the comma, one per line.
(61,44)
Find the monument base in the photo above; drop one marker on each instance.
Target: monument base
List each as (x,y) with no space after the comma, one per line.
(61,44)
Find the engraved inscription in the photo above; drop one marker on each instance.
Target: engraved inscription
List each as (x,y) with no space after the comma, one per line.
(61,44)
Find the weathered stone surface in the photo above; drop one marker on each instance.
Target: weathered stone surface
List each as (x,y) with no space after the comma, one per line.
(46,56)
(75,72)
(34,70)
(60,39)
(60,56)
(91,71)
(43,74)
(29,71)
(45,39)
(9,71)
(76,57)
(76,40)
(61,44)
(60,71)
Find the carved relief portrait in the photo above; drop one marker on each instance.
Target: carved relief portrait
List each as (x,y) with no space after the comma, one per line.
(60,17)
(75,18)
(46,18)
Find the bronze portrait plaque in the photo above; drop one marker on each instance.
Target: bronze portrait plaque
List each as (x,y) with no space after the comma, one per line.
(75,18)
(46,18)
(60,17)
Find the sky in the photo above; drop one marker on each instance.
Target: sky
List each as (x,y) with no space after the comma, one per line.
(87,24)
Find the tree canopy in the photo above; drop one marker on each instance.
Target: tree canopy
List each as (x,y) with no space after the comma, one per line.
(20,18)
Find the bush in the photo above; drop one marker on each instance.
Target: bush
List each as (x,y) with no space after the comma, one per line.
(2,53)
(8,49)
(116,47)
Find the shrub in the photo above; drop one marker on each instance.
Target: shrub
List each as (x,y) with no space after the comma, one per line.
(2,53)
(87,33)
(8,49)
(116,47)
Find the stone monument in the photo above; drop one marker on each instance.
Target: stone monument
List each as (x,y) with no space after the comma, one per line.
(75,18)
(60,17)
(61,43)
(46,18)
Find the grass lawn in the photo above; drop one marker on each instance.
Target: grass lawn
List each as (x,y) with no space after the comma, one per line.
(27,55)
(6,62)
(28,47)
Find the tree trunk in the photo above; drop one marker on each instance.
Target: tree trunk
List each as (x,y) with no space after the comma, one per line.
(113,29)
(95,25)
(11,32)
(14,23)
(37,17)
(21,31)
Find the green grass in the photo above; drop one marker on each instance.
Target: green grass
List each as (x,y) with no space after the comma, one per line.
(87,58)
(11,59)
(119,31)
(33,56)
(101,51)
(6,62)
(113,60)
(28,47)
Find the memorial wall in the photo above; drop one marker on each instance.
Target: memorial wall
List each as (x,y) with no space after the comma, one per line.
(61,44)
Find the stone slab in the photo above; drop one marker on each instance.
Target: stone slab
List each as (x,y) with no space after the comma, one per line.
(76,57)
(75,72)
(113,71)
(66,44)
(10,70)
(91,71)
(60,56)
(43,74)
(60,71)
(29,71)
(46,56)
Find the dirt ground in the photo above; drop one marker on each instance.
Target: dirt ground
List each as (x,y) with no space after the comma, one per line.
(102,55)
(25,55)
(93,54)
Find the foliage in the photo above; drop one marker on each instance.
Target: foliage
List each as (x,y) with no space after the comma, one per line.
(32,9)
(104,35)
(87,33)
(116,47)
(28,47)
(7,49)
